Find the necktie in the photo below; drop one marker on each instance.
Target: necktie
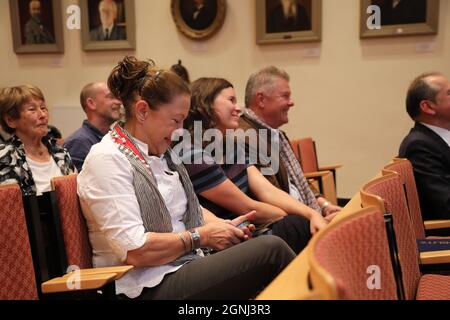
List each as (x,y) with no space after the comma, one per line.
(106,34)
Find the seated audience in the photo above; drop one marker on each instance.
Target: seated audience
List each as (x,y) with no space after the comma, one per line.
(29,158)
(102,110)
(181,71)
(141,209)
(267,101)
(232,188)
(427,145)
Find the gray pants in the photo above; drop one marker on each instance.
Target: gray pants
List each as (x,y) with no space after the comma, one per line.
(239,272)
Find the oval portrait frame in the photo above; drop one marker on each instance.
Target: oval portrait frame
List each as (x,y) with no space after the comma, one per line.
(198,34)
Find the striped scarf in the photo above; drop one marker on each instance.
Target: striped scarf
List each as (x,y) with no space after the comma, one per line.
(154,212)
(290,162)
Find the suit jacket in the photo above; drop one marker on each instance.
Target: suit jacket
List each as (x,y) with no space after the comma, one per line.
(37,33)
(407,11)
(281,178)
(276,21)
(430,158)
(117,33)
(204,18)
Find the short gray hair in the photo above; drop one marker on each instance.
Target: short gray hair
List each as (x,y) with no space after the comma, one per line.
(264,78)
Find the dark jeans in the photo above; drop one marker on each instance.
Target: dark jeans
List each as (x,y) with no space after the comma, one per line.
(294,230)
(239,272)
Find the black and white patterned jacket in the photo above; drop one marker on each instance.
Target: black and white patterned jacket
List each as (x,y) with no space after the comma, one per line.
(14,166)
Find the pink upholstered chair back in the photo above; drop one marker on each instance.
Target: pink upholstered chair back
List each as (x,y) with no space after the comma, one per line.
(390,189)
(405,170)
(305,151)
(352,250)
(17,278)
(73,224)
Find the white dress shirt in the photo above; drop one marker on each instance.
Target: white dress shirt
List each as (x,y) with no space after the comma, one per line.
(112,212)
(441,132)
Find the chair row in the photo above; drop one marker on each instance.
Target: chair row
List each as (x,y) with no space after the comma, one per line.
(46,251)
(371,253)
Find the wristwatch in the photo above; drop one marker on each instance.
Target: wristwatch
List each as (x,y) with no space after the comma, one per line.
(195,237)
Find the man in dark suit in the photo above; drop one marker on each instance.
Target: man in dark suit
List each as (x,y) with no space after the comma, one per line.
(200,14)
(402,11)
(35,31)
(427,145)
(108,30)
(288,16)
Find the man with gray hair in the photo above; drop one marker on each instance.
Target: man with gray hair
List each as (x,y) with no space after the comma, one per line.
(427,145)
(267,101)
(102,110)
(108,30)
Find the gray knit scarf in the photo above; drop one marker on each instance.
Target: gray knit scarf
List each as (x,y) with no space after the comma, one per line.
(154,212)
(290,162)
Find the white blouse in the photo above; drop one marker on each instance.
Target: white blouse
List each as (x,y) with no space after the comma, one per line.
(112,212)
(42,173)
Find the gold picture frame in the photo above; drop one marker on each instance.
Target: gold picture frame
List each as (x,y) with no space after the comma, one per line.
(38,32)
(198,24)
(414,17)
(122,34)
(272,25)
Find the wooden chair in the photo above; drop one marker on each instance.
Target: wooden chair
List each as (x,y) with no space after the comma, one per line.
(17,276)
(351,259)
(77,248)
(323,176)
(386,193)
(405,170)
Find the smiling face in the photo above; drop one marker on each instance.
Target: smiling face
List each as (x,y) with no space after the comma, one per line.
(33,120)
(276,102)
(159,124)
(226,110)
(106,105)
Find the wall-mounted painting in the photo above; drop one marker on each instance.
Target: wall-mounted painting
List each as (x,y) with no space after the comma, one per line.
(284,21)
(198,19)
(387,18)
(108,24)
(36,26)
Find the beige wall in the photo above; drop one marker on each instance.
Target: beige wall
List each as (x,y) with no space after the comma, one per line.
(350,99)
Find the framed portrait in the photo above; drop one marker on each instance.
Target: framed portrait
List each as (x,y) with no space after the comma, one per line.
(387,18)
(108,24)
(284,21)
(36,26)
(198,19)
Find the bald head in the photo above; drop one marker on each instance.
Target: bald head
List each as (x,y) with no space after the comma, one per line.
(35,8)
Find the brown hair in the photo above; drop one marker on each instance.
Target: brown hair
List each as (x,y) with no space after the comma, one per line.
(133,79)
(12,99)
(419,90)
(204,92)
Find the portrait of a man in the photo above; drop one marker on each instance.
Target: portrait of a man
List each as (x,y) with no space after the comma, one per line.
(402,11)
(37,21)
(288,15)
(107,20)
(198,14)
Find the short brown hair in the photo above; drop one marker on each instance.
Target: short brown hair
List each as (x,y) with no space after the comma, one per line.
(11,100)
(419,90)
(204,92)
(133,78)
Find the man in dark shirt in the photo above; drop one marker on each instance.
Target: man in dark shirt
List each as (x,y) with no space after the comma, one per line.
(427,145)
(35,31)
(102,110)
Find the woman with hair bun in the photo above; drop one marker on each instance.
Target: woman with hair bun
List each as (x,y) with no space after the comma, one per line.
(141,208)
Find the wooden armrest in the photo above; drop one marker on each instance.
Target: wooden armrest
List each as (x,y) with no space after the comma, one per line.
(77,282)
(316,174)
(291,283)
(435,257)
(118,270)
(330,167)
(436,224)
